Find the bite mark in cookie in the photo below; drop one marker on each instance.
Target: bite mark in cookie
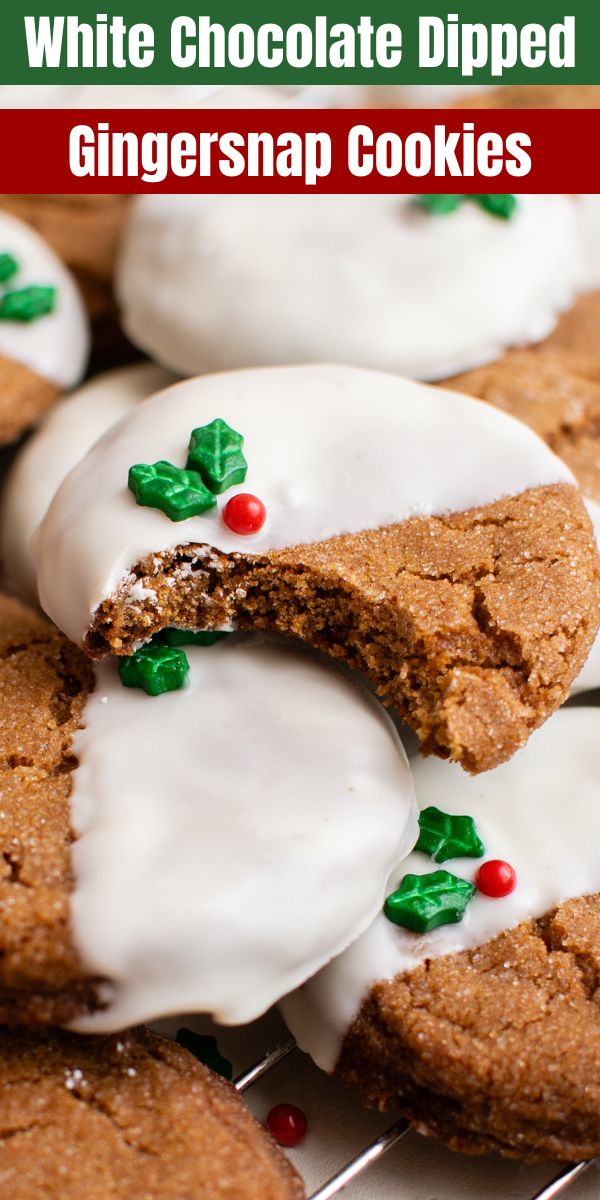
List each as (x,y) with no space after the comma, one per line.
(427,540)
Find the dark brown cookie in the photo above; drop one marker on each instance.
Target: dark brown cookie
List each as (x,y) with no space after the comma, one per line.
(557,394)
(495,1048)
(128,1116)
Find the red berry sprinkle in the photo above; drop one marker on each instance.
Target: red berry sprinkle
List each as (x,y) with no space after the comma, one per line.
(287,1124)
(496,878)
(244,514)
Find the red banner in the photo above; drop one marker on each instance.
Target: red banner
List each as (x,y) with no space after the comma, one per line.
(296,150)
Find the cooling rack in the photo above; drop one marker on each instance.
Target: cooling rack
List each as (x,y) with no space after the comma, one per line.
(359,1154)
(557,1186)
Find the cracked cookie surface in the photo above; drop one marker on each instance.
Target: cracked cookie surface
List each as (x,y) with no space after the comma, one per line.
(473,624)
(467,1044)
(557,394)
(134,1115)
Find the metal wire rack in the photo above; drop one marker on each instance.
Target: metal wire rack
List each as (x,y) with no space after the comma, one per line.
(376,1149)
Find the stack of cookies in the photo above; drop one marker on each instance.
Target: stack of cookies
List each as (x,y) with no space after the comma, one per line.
(287,658)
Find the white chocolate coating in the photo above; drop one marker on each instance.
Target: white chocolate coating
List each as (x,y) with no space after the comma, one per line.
(330,450)
(588,214)
(540,812)
(72,95)
(62,440)
(234,835)
(208,283)
(55,346)
(589,676)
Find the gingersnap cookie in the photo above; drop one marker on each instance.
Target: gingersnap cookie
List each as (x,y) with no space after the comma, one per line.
(533,96)
(70,429)
(135,1115)
(178,831)
(558,395)
(399,283)
(578,329)
(44,337)
(424,538)
(472,1002)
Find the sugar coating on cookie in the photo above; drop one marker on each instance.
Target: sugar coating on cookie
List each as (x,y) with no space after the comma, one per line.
(133,1115)
(330,451)
(232,835)
(425,538)
(211,283)
(54,345)
(52,451)
(556,393)
(589,677)
(540,813)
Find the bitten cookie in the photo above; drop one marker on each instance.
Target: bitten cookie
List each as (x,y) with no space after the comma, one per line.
(177,834)
(558,395)
(44,337)
(485,1030)
(424,538)
(52,451)
(374,281)
(135,1115)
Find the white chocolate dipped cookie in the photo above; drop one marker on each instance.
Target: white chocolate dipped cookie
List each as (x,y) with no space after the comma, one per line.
(44,337)
(52,451)
(213,282)
(484,1029)
(223,799)
(407,530)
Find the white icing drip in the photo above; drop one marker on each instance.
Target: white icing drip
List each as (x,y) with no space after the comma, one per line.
(588,213)
(55,346)
(538,812)
(330,450)
(232,835)
(68,432)
(212,282)
(589,677)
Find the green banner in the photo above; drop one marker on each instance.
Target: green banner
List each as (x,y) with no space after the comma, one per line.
(150,41)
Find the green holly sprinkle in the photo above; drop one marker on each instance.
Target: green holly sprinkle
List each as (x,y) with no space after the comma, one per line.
(502,206)
(206,1050)
(190,637)
(444,836)
(439,205)
(8,267)
(498,206)
(155,669)
(215,452)
(422,902)
(27,304)
(179,494)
